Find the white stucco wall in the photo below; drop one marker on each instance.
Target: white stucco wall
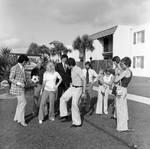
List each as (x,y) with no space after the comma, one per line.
(142,49)
(122,42)
(74,54)
(97,53)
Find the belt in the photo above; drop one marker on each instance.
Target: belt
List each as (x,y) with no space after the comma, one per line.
(76,86)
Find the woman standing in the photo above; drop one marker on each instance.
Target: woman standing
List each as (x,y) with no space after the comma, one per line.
(49,85)
(121,101)
(103,91)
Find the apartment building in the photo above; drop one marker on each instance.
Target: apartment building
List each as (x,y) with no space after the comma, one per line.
(140,50)
(122,41)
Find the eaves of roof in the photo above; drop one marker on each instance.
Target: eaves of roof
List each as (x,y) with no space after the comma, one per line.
(103,33)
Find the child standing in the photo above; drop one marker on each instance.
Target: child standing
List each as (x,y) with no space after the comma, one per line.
(105,81)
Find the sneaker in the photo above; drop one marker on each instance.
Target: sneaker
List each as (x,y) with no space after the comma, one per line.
(103,93)
(51,118)
(15,120)
(40,121)
(24,124)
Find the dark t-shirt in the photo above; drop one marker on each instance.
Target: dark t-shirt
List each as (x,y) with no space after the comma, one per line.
(125,81)
(38,72)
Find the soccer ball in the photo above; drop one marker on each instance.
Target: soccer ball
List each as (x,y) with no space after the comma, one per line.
(35,79)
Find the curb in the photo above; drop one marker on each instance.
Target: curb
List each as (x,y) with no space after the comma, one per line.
(132,97)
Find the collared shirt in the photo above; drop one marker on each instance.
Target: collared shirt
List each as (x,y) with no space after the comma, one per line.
(92,74)
(21,66)
(23,71)
(64,66)
(63,63)
(77,75)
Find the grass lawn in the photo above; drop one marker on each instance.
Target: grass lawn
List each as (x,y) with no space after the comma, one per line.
(138,86)
(97,132)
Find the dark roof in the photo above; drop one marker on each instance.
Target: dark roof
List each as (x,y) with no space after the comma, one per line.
(24,54)
(103,33)
(55,42)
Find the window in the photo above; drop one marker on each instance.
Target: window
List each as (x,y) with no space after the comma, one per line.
(139,37)
(138,62)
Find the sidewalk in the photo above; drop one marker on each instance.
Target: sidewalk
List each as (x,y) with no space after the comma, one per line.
(132,97)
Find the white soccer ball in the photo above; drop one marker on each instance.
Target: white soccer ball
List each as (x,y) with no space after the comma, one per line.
(35,79)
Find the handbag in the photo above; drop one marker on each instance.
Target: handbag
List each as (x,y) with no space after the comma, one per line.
(119,89)
(114,90)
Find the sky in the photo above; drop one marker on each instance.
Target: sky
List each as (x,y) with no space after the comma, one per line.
(43,21)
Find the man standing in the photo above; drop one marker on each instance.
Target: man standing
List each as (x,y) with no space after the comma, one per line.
(37,71)
(18,80)
(76,90)
(89,74)
(65,74)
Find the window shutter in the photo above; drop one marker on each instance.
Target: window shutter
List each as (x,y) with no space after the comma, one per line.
(143,36)
(134,38)
(142,62)
(134,62)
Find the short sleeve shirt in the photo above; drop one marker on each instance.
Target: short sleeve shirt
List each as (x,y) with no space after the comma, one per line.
(107,79)
(50,80)
(92,74)
(77,75)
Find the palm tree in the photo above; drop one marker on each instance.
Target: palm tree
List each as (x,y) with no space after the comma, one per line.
(5,52)
(83,44)
(6,62)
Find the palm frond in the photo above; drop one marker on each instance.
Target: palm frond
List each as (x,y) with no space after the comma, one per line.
(5,66)
(77,43)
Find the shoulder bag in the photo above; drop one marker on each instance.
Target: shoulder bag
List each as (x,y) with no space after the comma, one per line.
(119,89)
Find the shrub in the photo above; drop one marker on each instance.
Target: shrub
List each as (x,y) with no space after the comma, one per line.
(6,62)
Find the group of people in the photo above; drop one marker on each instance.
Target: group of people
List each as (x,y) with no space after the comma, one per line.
(109,79)
(64,81)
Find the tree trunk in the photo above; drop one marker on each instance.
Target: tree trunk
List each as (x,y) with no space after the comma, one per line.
(84,58)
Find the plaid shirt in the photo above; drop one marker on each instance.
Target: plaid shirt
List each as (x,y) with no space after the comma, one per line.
(16,75)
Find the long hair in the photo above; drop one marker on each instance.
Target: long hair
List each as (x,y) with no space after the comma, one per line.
(49,64)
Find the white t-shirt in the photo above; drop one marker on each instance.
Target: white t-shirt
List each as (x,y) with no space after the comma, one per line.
(50,80)
(107,79)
